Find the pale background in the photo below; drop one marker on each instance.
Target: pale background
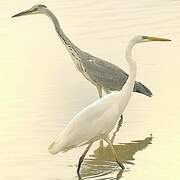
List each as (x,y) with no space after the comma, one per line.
(40,90)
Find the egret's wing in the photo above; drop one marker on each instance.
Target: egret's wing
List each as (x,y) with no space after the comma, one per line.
(88,125)
(105,74)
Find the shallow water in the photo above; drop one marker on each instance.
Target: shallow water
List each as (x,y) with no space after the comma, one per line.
(41,90)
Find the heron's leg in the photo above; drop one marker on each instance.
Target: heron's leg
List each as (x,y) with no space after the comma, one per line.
(118,127)
(99,89)
(114,152)
(107,91)
(82,157)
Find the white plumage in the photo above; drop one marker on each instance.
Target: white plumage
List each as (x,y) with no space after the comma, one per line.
(98,119)
(92,123)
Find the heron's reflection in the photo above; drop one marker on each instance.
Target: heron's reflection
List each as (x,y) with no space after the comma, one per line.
(101,163)
(117,129)
(115,132)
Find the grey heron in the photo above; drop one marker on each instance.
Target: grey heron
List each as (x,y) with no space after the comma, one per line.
(104,75)
(97,120)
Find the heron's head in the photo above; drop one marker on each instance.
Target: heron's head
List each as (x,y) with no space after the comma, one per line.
(141,39)
(37,9)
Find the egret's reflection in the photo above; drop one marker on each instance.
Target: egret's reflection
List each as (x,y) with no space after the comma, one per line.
(101,163)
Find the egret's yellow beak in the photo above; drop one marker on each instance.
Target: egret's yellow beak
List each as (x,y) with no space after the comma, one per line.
(27,12)
(151,38)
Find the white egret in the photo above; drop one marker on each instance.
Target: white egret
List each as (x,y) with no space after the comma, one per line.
(97,120)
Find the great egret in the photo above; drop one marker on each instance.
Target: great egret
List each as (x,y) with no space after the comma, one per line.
(97,120)
(100,73)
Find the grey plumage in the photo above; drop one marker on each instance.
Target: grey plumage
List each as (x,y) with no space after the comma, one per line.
(102,74)
(110,76)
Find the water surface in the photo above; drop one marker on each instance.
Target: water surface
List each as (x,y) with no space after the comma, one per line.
(41,90)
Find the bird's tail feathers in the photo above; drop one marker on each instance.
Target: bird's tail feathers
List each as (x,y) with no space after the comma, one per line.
(59,145)
(56,146)
(140,88)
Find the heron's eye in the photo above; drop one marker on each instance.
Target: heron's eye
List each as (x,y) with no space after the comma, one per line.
(44,6)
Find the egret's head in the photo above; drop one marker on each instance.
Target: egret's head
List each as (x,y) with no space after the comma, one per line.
(141,39)
(37,9)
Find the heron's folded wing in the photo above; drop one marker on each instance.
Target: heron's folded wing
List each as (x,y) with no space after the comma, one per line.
(104,73)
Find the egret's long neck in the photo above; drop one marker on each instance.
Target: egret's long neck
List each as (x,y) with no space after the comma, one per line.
(129,85)
(66,41)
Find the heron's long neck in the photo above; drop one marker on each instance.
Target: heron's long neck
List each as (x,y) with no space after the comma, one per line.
(66,41)
(129,85)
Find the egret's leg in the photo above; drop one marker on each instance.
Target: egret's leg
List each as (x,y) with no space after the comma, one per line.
(99,89)
(119,175)
(114,152)
(82,157)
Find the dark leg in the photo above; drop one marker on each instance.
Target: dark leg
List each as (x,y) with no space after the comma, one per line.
(114,153)
(119,175)
(82,157)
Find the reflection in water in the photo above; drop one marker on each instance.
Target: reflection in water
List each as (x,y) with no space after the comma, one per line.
(38,95)
(102,162)
(118,127)
(115,132)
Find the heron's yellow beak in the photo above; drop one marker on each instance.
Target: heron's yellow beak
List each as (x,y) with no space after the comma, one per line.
(151,38)
(27,12)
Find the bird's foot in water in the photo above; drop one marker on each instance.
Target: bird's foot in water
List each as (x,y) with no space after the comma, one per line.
(121,165)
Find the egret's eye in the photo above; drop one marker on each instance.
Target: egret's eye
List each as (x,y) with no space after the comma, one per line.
(144,37)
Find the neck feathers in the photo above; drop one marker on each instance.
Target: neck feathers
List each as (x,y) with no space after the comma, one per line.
(66,41)
(129,85)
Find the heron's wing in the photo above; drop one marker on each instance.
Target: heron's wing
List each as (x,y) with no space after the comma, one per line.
(105,74)
(108,75)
